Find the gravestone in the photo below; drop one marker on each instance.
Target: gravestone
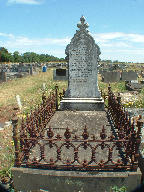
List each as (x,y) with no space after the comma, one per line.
(3,76)
(128,76)
(31,70)
(60,74)
(83,56)
(111,76)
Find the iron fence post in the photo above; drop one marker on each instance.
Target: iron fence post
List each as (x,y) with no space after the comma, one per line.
(16,140)
(139,125)
(56,95)
(44,98)
(64,92)
(119,98)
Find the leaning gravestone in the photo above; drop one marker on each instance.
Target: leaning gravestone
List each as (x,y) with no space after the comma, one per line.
(83,56)
(31,70)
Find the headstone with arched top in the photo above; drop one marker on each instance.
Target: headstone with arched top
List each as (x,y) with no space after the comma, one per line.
(83,58)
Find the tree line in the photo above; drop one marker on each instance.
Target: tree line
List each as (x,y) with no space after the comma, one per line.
(27,57)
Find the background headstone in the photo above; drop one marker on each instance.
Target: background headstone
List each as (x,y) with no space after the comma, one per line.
(3,76)
(60,74)
(111,76)
(31,70)
(128,76)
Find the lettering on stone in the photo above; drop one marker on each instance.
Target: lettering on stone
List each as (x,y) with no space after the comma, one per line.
(83,56)
(81,66)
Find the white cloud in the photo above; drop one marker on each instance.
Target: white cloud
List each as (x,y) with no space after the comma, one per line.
(113,45)
(26,42)
(136,38)
(54,46)
(108,36)
(32,2)
(121,46)
(118,36)
(6,35)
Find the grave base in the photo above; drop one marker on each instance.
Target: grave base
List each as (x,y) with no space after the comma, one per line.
(82,104)
(26,180)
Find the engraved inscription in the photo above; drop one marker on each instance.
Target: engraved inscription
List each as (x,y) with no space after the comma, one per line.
(81,67)
(83,55)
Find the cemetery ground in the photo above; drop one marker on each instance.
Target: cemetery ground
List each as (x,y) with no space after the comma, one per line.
(30,90)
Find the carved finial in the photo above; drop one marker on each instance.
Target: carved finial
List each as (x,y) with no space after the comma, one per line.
(82,19)
(82,25)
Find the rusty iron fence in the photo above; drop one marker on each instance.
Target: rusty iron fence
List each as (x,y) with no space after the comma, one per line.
(123,128)
(34,124)
(38,147)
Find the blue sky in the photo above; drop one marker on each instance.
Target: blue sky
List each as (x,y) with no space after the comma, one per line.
(47,26)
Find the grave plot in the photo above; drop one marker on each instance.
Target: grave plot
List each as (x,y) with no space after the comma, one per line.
(74,140)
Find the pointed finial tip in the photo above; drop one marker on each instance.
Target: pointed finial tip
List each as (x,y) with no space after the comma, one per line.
(82,19)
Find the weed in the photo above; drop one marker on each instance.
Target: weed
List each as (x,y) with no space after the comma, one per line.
(116,189)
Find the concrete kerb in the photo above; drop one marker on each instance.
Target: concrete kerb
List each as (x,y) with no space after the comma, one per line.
(27,179)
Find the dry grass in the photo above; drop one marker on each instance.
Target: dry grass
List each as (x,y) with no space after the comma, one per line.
(6,151)
(30,89)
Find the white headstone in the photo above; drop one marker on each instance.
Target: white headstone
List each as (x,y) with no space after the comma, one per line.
(19,101)
(83,55)
(44,86)
(134,81)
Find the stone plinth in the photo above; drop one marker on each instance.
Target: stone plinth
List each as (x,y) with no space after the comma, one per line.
(82,104)
(26,180)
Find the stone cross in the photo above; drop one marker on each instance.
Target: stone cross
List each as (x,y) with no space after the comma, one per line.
(83,58)
(82,26)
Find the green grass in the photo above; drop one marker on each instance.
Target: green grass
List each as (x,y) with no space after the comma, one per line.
(116,87)
(117,189)
(30,90)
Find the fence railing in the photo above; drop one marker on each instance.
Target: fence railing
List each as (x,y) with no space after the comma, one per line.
(34,124)
(122,126)
(75,152)
(36,146)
